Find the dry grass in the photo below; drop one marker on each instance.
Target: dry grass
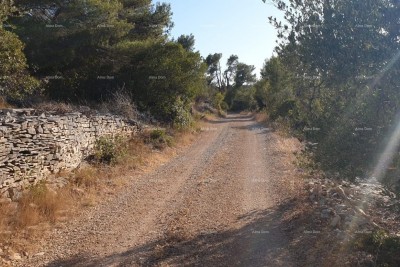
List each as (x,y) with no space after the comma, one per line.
(6,211)
(4,104)
(261,117)
(120,104)
(86,177)
(40,204)
(89,199)
(24,223)
(137,151)
(184,138)
(57,107)
(37,205)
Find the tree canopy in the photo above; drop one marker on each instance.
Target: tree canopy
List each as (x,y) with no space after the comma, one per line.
(338,66)
(84,51)
(15,80)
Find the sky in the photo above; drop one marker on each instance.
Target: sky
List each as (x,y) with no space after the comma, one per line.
(229,27)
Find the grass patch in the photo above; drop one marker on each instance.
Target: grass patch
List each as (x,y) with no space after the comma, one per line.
(86,177)
(135,153)
(40,204)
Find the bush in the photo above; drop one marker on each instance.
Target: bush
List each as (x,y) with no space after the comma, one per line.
(160,139)
(15,81)
(224,106)
(182,119)
(244,99)
(109,150)
(121,104)
(218,99)
(284,109)
(383,246)
(55,107)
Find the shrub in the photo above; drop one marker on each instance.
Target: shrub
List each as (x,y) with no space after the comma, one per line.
(218,100)
(121,104)
(55,107)
(224,106)
(383,246)
(15,81)
(160,139)
(244,99)
(284,109)
(109,150)
(182,119)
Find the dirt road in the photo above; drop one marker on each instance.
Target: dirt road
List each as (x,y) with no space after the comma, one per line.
(215,204)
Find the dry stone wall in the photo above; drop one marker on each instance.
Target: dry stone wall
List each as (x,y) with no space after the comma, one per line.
(34,146)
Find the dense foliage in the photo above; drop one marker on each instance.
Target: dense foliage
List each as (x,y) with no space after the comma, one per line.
(235,83)
(335,78)
(86,51)
(15,81)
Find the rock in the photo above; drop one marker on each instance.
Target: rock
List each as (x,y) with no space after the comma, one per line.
(335,221)
(33,205)
(340,234)
(340,192)
(39,254)
(15,194)
(31,131)
(340,208)
(349,218)
(15,257)
(325,213)
(6,263)
(362,221)
(78,191)
(5,200)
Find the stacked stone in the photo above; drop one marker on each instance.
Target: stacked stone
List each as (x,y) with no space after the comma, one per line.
(32,147)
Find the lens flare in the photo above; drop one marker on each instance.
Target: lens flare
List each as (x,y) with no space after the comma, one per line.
(382,163)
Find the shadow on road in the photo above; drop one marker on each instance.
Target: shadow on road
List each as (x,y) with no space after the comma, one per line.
(231,118)
(262,241)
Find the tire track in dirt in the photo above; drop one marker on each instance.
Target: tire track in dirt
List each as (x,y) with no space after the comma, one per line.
(213,205)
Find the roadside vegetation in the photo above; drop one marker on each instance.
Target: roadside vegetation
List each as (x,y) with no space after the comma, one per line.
(333,82)
(333,79)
